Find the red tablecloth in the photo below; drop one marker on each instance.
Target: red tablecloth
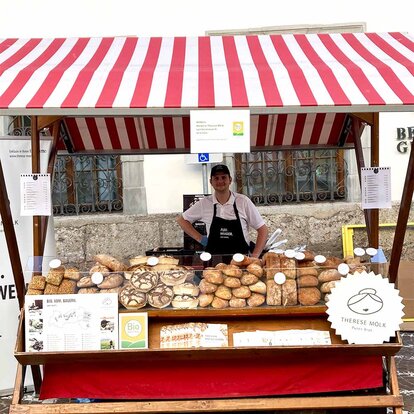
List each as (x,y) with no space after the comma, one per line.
(212,378)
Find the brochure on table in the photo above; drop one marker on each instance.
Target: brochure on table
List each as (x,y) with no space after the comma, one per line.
(57,323)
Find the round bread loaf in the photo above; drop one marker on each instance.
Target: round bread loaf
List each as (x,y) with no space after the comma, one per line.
(184,302)
(207,287)
(173,277)
(213,276)
(161,296)
(110,262)
(329,275)
(144,281)
(309,296)
(131,298)
(85,282)
(308,281)
(186,289)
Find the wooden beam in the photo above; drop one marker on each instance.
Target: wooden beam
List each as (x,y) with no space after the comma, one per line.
(11,240)
(367,117)
(402,220)
(46,121)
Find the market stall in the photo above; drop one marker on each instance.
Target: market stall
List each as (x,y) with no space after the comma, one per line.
(134,95)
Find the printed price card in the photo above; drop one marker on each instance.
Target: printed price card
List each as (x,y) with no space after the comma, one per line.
(376,187)
(35,195)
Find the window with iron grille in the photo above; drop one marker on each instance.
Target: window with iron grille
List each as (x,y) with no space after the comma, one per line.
(81,183)
(276,177)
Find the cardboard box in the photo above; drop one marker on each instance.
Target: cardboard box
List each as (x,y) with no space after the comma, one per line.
(406,287)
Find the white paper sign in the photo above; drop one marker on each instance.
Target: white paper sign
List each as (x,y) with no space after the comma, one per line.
(35,195)
(221,131)
(365,308)
(376,187)
(55,323)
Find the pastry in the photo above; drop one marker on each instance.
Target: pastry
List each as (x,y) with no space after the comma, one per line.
(112,281)
(110,262)
(144,281)
(161,296)
(131,298)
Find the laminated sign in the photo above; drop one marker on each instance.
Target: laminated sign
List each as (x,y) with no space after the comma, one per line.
(365,308)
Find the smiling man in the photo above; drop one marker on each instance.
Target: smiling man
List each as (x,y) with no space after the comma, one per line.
(228,217)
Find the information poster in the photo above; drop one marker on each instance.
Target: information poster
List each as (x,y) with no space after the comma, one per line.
(376,187)
(35,195)
(56,323)
(214,131)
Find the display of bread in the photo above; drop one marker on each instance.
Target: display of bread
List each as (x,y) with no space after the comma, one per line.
(278,279)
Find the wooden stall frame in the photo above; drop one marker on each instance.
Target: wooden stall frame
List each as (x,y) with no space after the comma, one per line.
(391,398)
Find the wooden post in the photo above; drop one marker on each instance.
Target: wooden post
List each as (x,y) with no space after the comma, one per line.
(402,220)
(374,220)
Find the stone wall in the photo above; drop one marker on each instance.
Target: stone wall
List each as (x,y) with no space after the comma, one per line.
(319,226)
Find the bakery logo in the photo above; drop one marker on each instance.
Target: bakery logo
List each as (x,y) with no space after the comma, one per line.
(133,328)
(366,302)
(365,308)
(238,128)
(107,301)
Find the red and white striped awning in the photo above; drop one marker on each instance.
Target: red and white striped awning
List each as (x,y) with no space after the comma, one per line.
(172,134)
(137,76)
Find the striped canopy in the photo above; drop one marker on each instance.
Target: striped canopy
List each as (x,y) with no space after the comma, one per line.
(135,93)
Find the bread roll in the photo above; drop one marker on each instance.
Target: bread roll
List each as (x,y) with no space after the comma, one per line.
(332,262)
(161,296)
(55,276)
(241,292)
(85,282)
(258,287)
(131,298)
(186,289)
(51,289)
(72,273)
(248,279)
(223,292)
(67,287)
(34,292)
(97,267)
(219,303)
(273,293)
(233,271)
(213,276)
(328,286)
(205,299)
(184,302)
(144,281)
(232,282)
(237,302)
(220,266)
(88,290)
(309,296)
(38,282)
(256,299)
(255,269)
(112,281)
(207,287)
(289,293)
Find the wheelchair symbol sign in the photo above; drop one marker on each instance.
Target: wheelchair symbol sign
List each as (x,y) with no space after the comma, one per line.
(203,157)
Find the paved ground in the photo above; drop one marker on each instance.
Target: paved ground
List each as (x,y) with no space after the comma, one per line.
(405,366)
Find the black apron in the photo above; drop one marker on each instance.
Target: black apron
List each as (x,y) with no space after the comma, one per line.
(226,236)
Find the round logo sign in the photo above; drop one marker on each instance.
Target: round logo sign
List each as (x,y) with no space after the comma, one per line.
(133,328)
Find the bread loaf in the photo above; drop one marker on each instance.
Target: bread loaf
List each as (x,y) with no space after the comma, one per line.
(307,281)
(111,281)
(223,292)
(255,269)
(110,262)
(219,303)
(248,279)
(288,267)
(309,296)
(237,302)
(232,282)
(205,299)
(289,293)
(273,293)
(329,275)
(72,273)
(207,287)
(301,271)
(256,299)
(67,287)
(241,292)
(213,276)
(258,287)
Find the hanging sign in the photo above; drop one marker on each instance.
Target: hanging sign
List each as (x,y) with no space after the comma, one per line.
(35,195)
(220,131)
(365,308)
(376,187)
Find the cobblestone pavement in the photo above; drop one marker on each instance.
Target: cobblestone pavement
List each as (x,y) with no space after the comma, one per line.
(405,367)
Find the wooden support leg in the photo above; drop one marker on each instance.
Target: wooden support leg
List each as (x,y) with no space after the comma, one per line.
(19,384)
